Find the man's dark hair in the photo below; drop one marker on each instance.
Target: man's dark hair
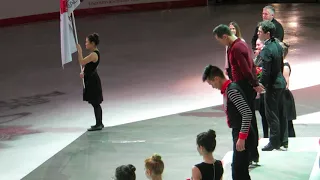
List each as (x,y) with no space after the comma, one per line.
(268,26)
(210,72)
(221,30)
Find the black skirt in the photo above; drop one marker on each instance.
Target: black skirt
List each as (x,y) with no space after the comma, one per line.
(290,105)
(92,91)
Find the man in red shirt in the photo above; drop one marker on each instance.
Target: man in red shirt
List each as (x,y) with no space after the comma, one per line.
(241,71)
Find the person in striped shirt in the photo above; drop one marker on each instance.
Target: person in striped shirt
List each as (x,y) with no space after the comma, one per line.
(239,117)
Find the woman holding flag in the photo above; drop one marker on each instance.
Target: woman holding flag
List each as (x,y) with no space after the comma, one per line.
(92,92)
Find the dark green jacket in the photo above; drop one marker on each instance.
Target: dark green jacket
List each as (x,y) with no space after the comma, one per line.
(272,65)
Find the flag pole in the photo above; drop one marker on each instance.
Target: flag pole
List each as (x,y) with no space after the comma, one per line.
(76,39)
(74,28)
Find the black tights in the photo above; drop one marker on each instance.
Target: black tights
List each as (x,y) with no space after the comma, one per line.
(98,113)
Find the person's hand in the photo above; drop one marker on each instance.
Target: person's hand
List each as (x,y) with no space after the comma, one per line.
(81,75)
(240,146)
(256,52)
(79,48)
(259,89)
(264,89)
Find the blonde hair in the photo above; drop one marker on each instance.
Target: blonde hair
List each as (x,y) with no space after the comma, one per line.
(155,164)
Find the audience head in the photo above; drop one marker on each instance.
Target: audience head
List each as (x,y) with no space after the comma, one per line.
(222,34)
(154,166)
(206,142)
(235,29)
(259,46)
(125,172)
(268,13)
(213,76)
(92,41)
(266,30)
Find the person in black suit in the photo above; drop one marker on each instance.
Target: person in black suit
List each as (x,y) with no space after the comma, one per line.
(273,82)
(268,15)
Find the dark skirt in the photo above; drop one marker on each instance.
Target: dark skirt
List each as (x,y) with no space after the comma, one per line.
(290,105)
(93,90)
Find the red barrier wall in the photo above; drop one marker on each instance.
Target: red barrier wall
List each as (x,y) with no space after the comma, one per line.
(104,10)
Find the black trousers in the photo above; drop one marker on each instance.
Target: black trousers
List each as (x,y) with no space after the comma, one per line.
(251,94)
(98,113)
(240,160)
(286,129)
(264,121)
(275,116)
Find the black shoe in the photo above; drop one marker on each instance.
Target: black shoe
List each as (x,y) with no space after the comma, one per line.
(255,160)
(252,166)
(96,125)
(268,147)
(285,144)
(96,128)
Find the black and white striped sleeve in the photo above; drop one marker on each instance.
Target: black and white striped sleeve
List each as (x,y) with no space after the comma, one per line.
(238,100)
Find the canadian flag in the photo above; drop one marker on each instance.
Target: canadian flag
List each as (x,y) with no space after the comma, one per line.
(67,33)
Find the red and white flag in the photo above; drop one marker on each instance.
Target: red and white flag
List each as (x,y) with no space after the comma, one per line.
(72,5)
(68,44)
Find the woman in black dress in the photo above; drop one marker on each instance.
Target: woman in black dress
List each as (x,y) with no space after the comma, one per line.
(92,92)
(288,97)
(210,168)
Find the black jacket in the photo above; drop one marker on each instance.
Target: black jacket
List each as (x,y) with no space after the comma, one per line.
(279,34)
(272,65)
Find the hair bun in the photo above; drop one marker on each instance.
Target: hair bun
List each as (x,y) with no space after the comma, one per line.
(131,167)
(95,35)
(211,133)
(286,44)
(156,157)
